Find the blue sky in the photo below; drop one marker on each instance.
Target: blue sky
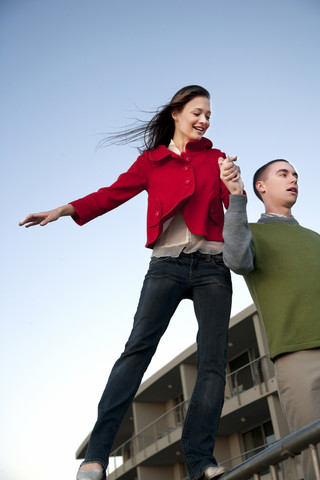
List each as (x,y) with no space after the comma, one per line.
(69,72)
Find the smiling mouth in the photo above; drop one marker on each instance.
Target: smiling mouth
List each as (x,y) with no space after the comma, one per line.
(199,129)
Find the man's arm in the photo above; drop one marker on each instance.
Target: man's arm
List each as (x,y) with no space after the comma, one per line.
(237,253)
(237,249)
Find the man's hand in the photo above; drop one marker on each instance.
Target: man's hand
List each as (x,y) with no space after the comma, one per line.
(230,174)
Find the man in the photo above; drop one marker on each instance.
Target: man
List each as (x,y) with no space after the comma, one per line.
(280,261)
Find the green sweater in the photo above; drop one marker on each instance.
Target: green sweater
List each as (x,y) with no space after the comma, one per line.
(281,264)
(285,285)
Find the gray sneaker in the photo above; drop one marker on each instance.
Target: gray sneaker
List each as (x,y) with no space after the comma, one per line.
(213,472)
(91,475)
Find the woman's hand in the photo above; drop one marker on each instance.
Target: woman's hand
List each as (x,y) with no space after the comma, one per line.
(230,174)
(42,218)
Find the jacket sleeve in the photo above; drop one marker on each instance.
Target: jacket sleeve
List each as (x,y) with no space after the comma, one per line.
(128,185)
(238,251)
(224,194)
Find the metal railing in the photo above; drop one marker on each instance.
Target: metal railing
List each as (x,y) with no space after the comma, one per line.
(290,446)
(252,374)
(163,426)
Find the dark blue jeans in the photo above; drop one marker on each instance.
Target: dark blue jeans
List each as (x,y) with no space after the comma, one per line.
(205,280)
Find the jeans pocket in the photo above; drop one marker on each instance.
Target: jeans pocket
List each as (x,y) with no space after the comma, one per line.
(217,261)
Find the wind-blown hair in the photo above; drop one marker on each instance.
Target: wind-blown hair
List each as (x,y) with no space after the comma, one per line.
(160,129)
(261,174)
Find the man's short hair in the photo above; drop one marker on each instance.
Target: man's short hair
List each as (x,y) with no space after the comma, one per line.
(260,175)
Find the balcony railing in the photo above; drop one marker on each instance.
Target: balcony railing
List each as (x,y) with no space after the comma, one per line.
(252,374)
(163,426)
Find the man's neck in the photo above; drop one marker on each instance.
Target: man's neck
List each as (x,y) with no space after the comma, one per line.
(278,210)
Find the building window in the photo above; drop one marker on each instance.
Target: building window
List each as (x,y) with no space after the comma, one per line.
(241,369)
(258,439)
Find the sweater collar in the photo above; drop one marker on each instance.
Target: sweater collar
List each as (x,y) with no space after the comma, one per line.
(268,218)
(162,152)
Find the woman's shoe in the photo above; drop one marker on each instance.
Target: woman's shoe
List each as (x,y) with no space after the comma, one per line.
(213,472)
(91,475)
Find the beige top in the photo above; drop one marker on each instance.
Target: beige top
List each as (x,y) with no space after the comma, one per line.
(177,237)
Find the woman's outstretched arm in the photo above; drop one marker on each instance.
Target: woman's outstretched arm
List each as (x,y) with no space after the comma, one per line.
(42,218)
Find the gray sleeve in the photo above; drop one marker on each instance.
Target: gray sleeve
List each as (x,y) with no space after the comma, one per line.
(237,250)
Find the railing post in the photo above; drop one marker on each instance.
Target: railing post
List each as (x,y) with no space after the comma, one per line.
(315,460)
(155,436)
(167,427)
(237,387)
(274,472)
(264,369)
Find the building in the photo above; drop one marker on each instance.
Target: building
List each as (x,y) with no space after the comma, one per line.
(147,446)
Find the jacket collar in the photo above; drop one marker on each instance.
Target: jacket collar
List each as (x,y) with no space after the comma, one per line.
(162,152)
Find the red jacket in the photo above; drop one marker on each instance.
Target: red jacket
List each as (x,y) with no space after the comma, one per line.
(190,181)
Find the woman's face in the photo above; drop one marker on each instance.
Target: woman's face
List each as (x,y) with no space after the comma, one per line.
(192,121)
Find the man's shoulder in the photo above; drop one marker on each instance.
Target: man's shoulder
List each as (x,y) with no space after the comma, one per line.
(279,225)
(284,233)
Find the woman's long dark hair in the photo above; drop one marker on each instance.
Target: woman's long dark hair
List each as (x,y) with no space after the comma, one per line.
(160,129)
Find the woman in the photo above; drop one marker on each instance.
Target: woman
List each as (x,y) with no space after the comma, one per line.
(180,171)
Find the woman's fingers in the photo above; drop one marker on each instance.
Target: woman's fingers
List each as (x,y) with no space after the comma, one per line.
(230,173)
(32,219)
(41,218)
(237,174)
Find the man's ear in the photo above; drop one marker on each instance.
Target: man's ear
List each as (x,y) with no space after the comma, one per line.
(260,186)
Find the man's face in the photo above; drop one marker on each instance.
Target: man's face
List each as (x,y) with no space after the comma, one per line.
(279,184)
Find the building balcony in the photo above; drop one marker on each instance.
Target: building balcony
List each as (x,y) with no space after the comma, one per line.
(246,388)
(147,445)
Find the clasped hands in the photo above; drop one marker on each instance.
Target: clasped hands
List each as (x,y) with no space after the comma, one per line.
(230,174)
